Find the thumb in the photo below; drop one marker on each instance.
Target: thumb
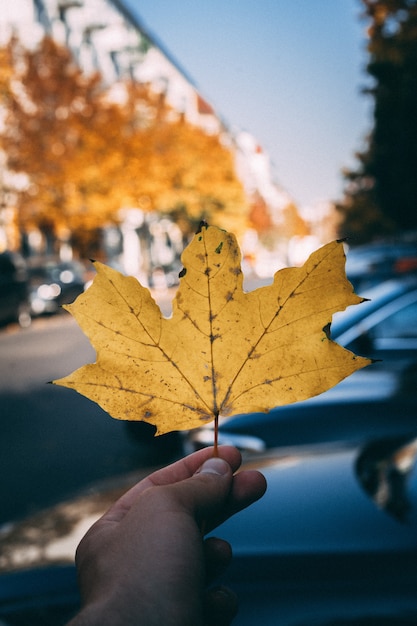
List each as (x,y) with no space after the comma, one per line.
(214,466)
(206,493)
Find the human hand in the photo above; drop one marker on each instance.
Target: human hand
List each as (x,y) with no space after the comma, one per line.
(145,562)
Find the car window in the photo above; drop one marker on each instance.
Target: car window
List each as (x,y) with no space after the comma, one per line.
(395,334)
(400,325)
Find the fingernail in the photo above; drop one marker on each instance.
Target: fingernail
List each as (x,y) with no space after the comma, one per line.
(214,466)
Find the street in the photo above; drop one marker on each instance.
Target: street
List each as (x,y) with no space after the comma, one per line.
(55,442)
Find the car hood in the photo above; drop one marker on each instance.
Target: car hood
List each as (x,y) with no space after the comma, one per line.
(321,499)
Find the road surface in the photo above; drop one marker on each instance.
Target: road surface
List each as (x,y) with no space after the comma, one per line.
(54,441)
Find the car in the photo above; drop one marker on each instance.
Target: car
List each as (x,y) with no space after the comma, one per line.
(384,327)
(14,290)
(54,283)
(332,542)
(369,264)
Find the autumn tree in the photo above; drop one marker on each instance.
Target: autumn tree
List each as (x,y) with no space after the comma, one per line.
(178,169)
(195,172)
(381,193)
(87,154)
(57,128)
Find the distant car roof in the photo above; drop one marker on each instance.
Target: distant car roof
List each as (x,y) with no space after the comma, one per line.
(376,297)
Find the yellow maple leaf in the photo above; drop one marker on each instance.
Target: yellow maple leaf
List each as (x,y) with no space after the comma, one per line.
(223,351)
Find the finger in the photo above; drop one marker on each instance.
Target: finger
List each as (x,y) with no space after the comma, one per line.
(217,556)
(189,465)
(210,497)
(176,472)
(220,606)
(248,487)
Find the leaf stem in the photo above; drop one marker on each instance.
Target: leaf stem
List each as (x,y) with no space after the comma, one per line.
(216,436)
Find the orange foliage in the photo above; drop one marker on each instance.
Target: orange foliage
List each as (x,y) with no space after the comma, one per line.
(87,156)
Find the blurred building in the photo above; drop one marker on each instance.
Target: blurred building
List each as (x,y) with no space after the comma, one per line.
(105,35)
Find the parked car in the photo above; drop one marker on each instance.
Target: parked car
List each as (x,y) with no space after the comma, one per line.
(320,548)
(383,328)
(372,263)
(332,542)
(54,283)
(14,293)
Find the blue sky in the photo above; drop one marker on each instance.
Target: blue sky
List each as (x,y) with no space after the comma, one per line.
(288,71)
